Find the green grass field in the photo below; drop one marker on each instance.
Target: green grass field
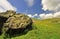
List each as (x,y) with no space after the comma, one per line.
(42,29)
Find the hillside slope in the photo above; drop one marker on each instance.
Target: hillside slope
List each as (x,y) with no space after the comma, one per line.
(43,29)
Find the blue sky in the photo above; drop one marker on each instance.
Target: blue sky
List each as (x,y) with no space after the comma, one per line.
(22,6)
(41,9)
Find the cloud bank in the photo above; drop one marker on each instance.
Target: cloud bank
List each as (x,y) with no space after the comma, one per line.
(50,15)
(5,5)
(50,5)
(33,16)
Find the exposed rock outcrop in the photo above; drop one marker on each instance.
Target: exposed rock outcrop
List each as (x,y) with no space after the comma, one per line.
(12,20)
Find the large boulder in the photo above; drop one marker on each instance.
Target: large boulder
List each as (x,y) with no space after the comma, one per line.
(13,20)
(18,21)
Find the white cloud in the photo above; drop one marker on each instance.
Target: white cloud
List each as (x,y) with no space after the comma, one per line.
(46,16)
(30,2)
(52,5)
(57,14)
(32,16)
(50,15)
(35,15)
(42,16)
(5,5)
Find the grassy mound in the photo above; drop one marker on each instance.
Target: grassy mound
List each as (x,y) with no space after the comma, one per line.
(42,29)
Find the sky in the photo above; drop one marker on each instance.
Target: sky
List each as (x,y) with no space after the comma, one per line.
(41,9)
(26,6)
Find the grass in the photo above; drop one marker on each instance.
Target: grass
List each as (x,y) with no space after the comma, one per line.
(43,29)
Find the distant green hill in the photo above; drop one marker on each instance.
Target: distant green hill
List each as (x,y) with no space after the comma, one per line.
(43,29)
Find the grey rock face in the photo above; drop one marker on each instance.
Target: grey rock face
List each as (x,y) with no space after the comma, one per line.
(18,21)
(14,20)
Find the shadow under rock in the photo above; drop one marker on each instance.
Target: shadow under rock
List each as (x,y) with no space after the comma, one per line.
(2,21)
(18,32)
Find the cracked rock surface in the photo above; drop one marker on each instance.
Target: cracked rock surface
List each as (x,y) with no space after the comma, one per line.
(14,20)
